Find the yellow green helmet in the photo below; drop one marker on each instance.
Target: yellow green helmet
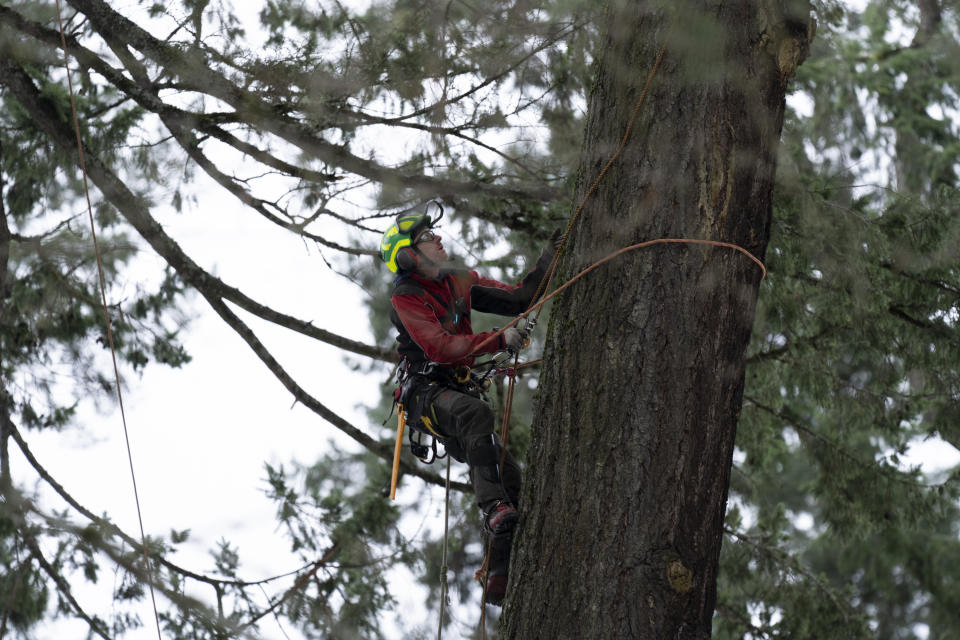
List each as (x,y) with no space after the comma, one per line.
(401,234)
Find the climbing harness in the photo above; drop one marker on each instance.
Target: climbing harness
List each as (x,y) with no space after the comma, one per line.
(417,387)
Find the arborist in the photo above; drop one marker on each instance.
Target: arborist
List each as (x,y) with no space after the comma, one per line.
(431,311)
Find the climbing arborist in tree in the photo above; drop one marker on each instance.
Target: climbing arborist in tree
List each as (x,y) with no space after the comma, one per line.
(431,310)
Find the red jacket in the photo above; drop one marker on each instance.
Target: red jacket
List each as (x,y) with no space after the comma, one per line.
(432,317)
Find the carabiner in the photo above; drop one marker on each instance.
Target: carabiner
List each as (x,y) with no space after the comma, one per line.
(462,374)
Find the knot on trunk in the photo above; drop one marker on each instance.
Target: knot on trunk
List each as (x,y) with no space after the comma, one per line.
(792,51)
(786,34)
(679,576)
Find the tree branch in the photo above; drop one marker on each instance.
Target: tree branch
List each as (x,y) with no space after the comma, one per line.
(884,472)
(135,211)
(546,44)
(188,604)
(215,291)
(64,588)
(299,584)
(111,529)
(773,354)
(184,135)
(448,131)
(938,284)
(383,450)
(252,108)
(181,123)
(941,330)
(128,563)
(789,563)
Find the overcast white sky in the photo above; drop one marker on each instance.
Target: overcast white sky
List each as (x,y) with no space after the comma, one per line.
(200,434)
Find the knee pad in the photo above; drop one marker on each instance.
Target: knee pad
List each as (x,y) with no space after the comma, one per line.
(488,472)
(484,451)
(484,457)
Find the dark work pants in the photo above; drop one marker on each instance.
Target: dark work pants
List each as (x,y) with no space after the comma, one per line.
(468,425)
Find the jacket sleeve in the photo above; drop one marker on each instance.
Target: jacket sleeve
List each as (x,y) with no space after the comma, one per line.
(437,343)
(492,296)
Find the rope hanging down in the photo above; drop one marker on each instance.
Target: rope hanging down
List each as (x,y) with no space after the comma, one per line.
(443,562)
(552,269)
(106,315)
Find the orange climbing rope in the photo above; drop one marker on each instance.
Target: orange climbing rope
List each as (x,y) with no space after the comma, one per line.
(537,306)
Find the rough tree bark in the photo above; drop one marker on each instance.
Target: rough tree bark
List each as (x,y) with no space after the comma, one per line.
(640,393)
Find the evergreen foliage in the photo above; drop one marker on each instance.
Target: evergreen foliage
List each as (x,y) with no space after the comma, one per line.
(360,113)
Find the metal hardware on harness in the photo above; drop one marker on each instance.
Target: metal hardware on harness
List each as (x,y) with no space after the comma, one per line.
(427,454)
(423,369)
(501,358)
(484,381)
(461,374)
(527,331)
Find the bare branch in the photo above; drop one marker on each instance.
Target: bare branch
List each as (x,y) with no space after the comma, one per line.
(63,587)
(381,449)
(546,44)
(128,562)
(182,123)
(298,585)
(448,131)
(111,529)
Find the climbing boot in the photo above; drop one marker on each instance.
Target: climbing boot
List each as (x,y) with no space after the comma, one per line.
(498,560)
(500,519)
(496,588)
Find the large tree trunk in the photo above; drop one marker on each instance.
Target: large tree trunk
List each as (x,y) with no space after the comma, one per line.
(627,481)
